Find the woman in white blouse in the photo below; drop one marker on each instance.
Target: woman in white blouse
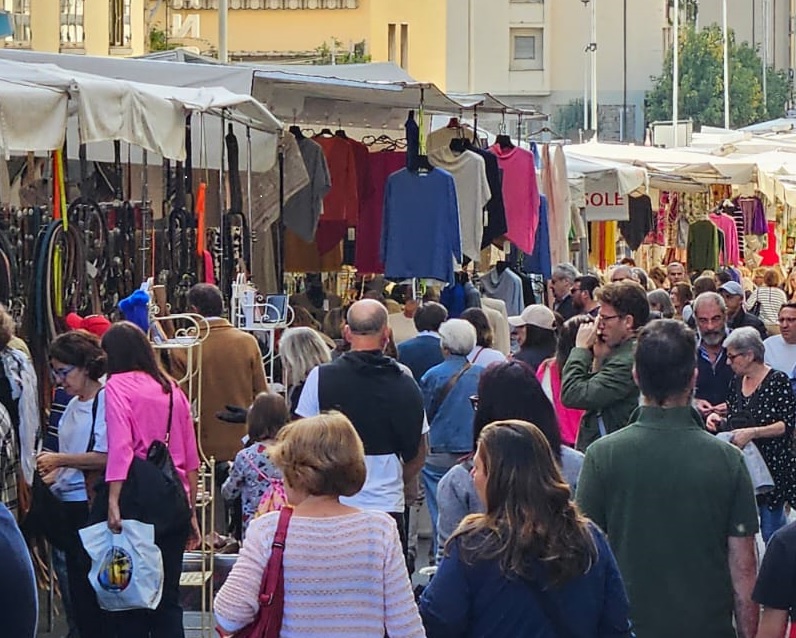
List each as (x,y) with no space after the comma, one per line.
(483,354)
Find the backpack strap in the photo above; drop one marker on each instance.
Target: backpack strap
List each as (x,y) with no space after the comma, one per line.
(440,397)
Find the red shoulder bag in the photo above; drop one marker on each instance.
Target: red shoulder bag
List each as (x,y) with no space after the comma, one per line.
(268,622)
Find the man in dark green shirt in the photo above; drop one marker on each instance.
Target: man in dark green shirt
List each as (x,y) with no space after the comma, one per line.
(677,504)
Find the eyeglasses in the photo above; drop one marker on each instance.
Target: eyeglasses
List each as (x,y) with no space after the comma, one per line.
(474,401)
(61,373)
(605,318)
(733,357)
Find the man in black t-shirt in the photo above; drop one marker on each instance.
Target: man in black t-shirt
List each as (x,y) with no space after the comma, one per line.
(776,584)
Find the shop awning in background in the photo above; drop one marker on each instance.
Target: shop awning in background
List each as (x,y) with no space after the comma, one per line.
(602,186)
(672,163)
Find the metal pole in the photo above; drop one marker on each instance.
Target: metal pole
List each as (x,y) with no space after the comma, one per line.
(586,89)
(764,56)
(676,76)
(624,71)
(726,42)
(223,11)
(594,111)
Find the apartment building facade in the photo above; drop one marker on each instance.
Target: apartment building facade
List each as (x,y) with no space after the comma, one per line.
(529,52)
(90,27)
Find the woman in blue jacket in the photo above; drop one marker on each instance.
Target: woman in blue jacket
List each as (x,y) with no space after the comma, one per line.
(530,567)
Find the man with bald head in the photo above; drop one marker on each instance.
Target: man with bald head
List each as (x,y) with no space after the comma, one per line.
(383,402)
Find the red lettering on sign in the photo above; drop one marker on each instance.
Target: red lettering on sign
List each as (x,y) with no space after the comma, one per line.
(598,200)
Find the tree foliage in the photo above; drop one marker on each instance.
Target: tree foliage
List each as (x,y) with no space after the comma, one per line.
(354,55)
(702,84)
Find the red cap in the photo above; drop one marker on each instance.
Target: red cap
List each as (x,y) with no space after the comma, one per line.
(74,321)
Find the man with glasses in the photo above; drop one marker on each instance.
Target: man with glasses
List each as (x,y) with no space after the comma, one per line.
(598,376)
(781,348)
(713,368)
(561,284)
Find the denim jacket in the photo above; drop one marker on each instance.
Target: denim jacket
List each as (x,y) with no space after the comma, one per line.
(452,425)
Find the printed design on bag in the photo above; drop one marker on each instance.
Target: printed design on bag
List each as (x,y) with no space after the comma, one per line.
(116,570)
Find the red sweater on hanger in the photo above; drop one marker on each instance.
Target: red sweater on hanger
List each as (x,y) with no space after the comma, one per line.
(341,204)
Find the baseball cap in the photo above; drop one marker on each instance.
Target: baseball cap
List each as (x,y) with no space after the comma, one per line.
(535,315)
(732,288)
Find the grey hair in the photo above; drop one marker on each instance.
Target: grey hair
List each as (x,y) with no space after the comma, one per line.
(458,336)
(746,339)
(565,271)
(301,350)
(626,271)
(707,297)
(662,299)
(366,317)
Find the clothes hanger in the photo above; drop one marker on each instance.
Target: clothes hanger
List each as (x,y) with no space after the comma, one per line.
(503,140)
(296,131)
(340,132)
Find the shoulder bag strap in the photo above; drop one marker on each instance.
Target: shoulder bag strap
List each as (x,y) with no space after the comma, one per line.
(272,576)
(480,350)
(440,397)
(91,437)
(171,410)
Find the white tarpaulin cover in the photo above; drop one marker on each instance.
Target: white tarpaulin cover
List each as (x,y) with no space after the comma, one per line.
(31,117)
(705,169)
(144,107)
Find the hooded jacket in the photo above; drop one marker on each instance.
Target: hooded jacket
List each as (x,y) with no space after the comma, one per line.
(383,403)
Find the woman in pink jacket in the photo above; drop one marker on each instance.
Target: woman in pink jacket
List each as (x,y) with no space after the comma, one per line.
(141,401)
(549,375)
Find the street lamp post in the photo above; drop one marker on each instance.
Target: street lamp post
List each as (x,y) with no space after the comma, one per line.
(223,14)
(726,64)
(592,49)
(676,76)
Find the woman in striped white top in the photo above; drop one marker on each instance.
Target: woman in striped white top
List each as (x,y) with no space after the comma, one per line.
(770,297)
(343,568)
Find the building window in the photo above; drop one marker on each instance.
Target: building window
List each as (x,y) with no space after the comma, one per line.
(391,44)
(72,33)
(405,46)
(120,32)
(526,49)
(20,19)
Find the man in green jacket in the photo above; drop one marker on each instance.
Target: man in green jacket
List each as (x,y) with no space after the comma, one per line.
(598,376)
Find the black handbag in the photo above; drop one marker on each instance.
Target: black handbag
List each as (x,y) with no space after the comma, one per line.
(47,516)
(153,492)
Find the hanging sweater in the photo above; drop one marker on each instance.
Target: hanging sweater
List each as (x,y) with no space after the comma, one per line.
(420,230)
(703,246)
(344,577)
(520,195)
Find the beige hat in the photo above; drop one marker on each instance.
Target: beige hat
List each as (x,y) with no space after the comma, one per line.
(535,315)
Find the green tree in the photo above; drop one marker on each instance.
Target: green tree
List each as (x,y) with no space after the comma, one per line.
(702,84)
(159,40)
(354,55)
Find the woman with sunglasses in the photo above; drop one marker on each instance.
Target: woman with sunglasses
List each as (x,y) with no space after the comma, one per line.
(505,391)
(531,564)
(78,363)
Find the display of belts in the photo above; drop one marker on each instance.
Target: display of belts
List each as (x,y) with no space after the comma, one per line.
(182,335)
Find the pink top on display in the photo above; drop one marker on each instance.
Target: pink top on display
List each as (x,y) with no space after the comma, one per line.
(732,251)
(520,195)
(136,413)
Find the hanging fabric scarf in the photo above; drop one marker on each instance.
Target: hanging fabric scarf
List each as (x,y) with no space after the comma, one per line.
(24,388)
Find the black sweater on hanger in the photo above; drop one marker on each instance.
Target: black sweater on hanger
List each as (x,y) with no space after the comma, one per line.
(496,223)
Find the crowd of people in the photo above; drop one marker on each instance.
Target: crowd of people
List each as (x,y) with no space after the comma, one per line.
(607,477)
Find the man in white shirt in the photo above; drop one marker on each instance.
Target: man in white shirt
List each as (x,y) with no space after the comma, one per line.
(781,348)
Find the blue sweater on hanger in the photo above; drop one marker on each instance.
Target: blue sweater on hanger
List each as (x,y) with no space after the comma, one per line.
(539,261)
(420,231)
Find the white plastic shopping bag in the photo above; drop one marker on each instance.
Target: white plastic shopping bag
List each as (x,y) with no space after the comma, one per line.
(127,568)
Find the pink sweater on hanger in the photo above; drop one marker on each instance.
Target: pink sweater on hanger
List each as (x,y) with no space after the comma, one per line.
(732,251)
(520,195)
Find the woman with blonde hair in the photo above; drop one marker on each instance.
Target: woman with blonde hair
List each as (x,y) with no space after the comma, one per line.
(768,297)
(344,572)
(301,349)
(531,565)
